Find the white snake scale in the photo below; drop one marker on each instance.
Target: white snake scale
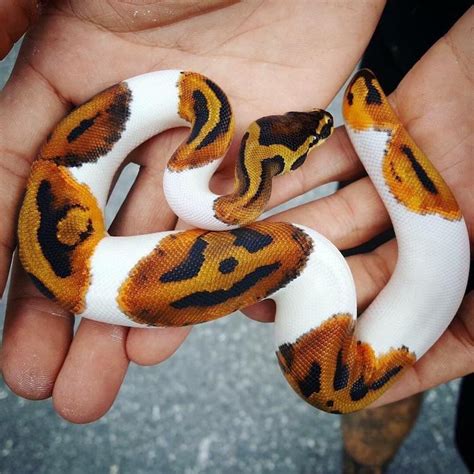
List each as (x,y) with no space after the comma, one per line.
(177,278)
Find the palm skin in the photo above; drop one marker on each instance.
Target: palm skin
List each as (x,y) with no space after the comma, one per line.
(267,63)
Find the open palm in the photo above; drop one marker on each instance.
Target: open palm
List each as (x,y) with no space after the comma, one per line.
(269,58)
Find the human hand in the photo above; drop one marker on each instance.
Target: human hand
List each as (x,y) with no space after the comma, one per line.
(258,52)
(434,101)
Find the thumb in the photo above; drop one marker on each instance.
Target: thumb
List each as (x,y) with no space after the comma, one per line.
(30,106)
(16,16)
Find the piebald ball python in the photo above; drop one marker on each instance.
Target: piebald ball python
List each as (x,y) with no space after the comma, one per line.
(230,261)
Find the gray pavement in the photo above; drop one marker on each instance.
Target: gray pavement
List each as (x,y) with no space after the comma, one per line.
(219,405)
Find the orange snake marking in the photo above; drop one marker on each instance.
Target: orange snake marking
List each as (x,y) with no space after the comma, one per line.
(196,276)
(59,227)
(411,177)
(205,106)
(91,130)
(334,372)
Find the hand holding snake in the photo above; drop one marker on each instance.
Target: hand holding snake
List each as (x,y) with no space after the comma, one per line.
(174,279)
(321,155)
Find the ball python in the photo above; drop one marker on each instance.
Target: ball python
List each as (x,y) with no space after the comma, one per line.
(231,259)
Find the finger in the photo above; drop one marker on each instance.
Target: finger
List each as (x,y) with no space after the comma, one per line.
(353,215)
(264,312)
(371,272)
(92,373)
(36,339)
(24,122)
(145,208)
(16,16)
(336,160)
(452,356)
(152,346)
(348,218)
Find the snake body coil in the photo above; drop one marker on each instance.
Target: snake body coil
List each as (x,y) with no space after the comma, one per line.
(187,277)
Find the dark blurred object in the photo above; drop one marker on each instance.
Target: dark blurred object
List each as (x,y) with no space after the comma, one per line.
(372,437)
(406,30)
(465,421)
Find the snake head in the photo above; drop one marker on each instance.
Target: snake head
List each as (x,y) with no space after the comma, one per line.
(293,135)
(271,146)
(314,127)
(323,126)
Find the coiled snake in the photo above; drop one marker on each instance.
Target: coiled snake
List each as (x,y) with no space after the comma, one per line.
(178,278)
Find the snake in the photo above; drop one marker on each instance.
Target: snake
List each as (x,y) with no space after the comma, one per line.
(231,258)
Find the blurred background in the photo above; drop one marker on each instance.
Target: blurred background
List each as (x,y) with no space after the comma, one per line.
(220,404)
